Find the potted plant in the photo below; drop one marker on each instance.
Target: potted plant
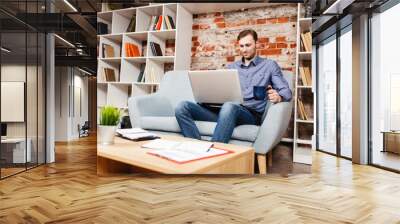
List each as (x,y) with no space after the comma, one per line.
(109,119)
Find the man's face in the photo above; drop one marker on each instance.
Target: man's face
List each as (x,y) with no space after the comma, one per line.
(247,47)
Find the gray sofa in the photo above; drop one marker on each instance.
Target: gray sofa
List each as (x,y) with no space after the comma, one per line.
(155,112)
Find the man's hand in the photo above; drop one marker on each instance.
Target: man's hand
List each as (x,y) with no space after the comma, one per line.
(273,95)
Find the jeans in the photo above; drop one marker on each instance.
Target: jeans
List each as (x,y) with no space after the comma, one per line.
(229,116)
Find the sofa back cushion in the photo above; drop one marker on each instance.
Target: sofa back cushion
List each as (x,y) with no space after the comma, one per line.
(175,86)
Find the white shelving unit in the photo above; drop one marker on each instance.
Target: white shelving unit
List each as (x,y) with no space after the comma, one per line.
(127,69)
(302,145)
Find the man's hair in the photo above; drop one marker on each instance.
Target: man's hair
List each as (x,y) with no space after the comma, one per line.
(244,33)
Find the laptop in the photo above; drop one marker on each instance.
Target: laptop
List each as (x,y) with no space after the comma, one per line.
(215,87)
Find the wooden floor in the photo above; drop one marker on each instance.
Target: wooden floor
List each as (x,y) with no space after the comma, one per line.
(70,192)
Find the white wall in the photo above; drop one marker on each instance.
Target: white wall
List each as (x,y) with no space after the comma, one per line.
(67,114)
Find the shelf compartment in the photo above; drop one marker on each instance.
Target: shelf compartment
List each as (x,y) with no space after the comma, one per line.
(117,95)
(130,70)
(121,20)
(144,15)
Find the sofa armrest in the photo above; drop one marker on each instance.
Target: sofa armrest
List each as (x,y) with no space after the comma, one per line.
(273,127)
(148,105)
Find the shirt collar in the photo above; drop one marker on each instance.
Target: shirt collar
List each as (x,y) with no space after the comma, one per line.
(255,61)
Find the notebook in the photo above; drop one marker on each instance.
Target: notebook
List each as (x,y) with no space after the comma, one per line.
(136,134)
(183,152)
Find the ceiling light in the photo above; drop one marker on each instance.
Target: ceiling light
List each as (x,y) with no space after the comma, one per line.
(70,5)
(65,41)
(5,50)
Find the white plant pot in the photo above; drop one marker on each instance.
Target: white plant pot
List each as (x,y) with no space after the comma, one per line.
(106,134)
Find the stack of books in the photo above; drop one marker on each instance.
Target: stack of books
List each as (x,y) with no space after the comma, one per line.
(306,40)
(156,49)
(156,22)
(108,51)
(148,75)
(131,50)
(305,74)
(301,109)
(169,23)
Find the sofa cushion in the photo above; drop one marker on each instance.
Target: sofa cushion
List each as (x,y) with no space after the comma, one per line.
(206,128)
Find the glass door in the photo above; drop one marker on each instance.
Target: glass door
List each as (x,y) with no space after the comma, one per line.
(385,89)
(326,99)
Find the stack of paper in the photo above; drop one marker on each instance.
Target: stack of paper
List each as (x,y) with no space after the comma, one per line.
(136,134)
(182,152)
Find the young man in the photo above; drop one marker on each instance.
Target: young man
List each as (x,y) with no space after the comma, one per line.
(253,71)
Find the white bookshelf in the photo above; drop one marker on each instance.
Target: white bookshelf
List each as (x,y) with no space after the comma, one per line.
(127,69)
(302,145)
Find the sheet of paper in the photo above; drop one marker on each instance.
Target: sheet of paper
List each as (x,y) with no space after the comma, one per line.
(161,144)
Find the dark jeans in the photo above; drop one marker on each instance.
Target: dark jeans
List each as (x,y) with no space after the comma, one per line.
(229,116)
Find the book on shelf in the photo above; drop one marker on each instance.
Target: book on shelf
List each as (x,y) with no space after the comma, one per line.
(102,28)
(144,48)
(301,110)
(131,50)
(169,23)
(150,75)
(305,74)
(306,39)
(156,49)
(109,75)
(155,23)
(132,24)
(140,76)
(159,23)
(108,51)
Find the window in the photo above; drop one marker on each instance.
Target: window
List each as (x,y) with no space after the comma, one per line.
(346,72)
(385,89)
(327,96)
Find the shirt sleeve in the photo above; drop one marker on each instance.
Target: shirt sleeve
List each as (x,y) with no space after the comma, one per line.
(279,83)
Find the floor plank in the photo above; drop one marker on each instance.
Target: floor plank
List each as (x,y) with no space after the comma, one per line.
(69,191)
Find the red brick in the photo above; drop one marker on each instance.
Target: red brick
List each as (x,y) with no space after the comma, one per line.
(195,38)
(196,43)
(270,45)
(281,45)
(252,21)
(209,47)
(220,25)
(204,26)
(217,20)
(261,21)
(230,58)
(293,45)
(194,49)
(217,14)
(271,52)
(263,40)
(283,19)
(271,20)
(195,26)
(280,39)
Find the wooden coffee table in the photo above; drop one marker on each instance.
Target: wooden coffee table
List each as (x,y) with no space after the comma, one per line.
(128,157)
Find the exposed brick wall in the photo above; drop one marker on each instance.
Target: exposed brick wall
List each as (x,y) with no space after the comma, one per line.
(214,42)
